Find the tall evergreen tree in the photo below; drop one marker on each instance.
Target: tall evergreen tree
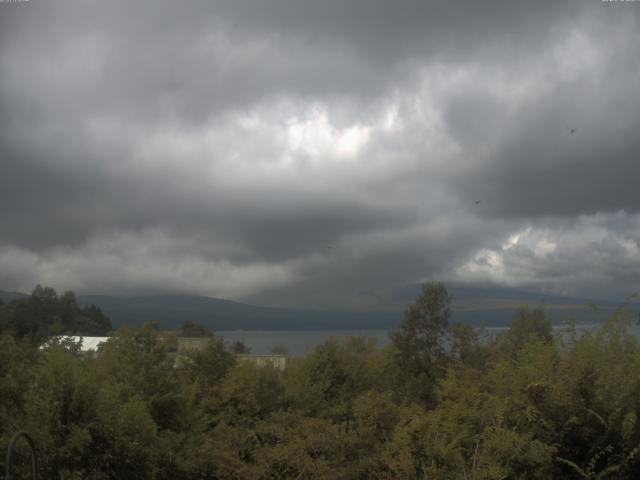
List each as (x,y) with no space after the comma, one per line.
(419,341)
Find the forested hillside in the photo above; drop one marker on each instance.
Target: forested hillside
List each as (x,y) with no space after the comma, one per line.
(524,405)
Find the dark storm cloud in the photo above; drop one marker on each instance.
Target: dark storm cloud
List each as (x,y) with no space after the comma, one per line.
(363,270)
(392,32)
(544,169)
(166,58)
(69,206)
(327,151)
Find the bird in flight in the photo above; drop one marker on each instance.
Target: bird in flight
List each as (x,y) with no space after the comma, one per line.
(477,202)
(571,130)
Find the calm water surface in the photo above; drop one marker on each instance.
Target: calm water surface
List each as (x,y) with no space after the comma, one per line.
(298,342)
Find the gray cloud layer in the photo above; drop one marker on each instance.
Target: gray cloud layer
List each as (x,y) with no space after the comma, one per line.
(319,153)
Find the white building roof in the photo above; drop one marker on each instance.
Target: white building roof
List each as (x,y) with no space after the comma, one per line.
(88,344)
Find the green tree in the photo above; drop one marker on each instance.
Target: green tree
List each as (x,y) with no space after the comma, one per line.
(203,370)
(467,346)
(92,321)
(192,329)
(45,313)
(240,347)
(529,325)
(85,428)
(419,342)
(17,362)
(208,365)
(250,393)
(142,362)
(326,381)
(33,317)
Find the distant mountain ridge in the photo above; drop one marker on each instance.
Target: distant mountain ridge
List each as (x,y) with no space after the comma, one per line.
(484,294)
(8,296)
(480,307)
(219,314)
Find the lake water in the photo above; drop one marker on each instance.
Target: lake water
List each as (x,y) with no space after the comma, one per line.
(298,342)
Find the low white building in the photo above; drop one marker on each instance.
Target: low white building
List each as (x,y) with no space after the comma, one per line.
(88,345)
(91,346)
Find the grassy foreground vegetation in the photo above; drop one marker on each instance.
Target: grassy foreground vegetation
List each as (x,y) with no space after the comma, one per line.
(438,402)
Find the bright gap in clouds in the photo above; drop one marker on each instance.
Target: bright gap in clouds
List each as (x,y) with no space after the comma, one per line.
(555,256)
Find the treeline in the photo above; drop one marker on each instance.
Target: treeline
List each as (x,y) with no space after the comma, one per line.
(439,402)
(45,313)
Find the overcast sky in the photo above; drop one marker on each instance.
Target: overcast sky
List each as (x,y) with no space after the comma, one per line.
(319,153)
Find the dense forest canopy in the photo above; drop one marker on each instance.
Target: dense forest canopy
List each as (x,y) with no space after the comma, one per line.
(441,401)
